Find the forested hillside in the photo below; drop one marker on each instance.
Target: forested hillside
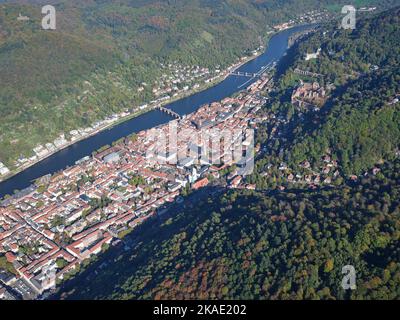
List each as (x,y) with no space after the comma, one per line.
(279,245)
(359,123)
(361,129)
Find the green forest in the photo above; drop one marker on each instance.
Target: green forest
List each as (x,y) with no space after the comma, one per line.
(359,124)
(278,245)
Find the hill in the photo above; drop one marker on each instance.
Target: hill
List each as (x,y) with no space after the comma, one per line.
(357,125)
(252,245)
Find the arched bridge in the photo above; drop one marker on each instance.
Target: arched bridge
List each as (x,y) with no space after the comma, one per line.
(169,112)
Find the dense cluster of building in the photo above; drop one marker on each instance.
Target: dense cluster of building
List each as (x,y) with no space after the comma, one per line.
(309,17)
(3,169)
(309,96)
(49,230)
(178,78)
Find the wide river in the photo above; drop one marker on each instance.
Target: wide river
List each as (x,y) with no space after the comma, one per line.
(276,48)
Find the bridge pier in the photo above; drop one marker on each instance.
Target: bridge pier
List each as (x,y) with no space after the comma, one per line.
(243,74)
(169,112)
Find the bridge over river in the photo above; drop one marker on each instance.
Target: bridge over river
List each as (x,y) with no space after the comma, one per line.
(169,112)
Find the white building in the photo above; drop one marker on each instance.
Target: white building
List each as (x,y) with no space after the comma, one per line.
(315,55)
(3,169)
(40,151)
(61,141)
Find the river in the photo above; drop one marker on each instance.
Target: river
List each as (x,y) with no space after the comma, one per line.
(276,48)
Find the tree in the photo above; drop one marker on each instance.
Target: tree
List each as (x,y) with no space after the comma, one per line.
(329,264)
